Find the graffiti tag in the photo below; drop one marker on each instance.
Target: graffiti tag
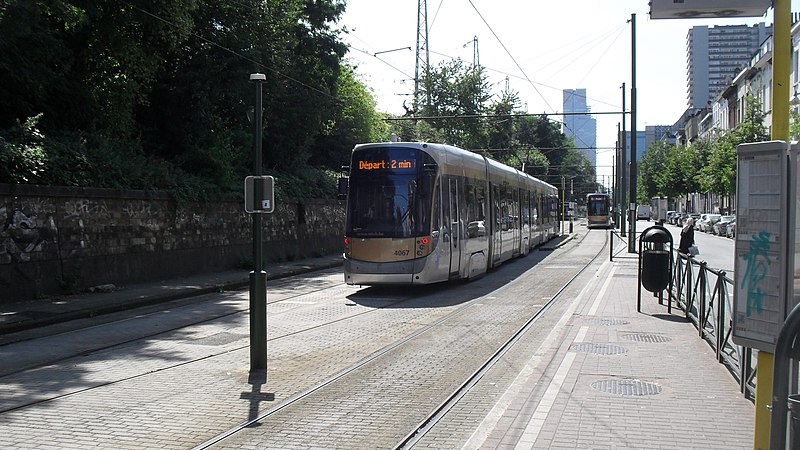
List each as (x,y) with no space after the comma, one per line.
(757,260)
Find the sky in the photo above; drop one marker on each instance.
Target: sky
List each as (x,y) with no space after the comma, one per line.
(540,47)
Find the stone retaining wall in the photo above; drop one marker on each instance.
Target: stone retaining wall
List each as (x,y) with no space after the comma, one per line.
(55,240)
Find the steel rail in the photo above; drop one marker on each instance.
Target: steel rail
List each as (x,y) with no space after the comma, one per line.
(437,414)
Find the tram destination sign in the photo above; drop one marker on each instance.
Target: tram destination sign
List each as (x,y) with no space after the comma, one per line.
(387,164)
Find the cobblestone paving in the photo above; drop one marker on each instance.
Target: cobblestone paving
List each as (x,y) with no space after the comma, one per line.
(181,388)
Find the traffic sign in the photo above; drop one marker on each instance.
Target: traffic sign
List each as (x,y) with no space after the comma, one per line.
(259,194)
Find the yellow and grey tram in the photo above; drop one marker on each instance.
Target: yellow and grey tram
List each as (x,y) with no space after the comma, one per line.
(420,213)
(598,210)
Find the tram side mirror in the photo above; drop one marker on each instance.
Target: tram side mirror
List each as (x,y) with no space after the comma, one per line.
(342,191)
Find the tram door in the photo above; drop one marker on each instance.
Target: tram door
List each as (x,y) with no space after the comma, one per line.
(454,223)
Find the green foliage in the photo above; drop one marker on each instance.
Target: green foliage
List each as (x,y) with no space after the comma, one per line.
(718,174)
(751,128)
(794,126)
(455,88)
(708,165)
(313,183)
(154,95)
(22,156)
(651,168)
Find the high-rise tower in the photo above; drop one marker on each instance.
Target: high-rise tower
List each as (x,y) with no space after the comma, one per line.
(715,55)
(581,127)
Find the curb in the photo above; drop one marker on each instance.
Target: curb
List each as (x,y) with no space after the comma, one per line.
(142,300)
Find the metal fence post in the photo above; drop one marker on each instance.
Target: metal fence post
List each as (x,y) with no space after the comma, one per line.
(702,305)
(721,304)
(689,286)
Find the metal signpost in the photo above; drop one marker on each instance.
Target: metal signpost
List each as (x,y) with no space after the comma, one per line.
(259,199)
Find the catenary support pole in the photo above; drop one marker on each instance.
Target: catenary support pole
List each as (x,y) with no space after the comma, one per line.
(632,185)
(623,170)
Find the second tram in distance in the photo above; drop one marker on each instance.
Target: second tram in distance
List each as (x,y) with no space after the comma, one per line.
(422,213)
(598,210)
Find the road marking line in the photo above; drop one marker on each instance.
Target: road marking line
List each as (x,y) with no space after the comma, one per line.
(512,392)
(536,423)
(596,304)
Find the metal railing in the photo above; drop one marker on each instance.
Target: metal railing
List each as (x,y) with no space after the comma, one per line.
(617,238)
(703,294)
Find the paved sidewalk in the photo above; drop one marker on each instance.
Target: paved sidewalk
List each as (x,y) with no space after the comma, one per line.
(621,379)
(606,376)
(20,316)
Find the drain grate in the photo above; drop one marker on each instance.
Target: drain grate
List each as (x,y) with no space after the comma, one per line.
(627,386)
(645,337)
(599,349)
(606,322)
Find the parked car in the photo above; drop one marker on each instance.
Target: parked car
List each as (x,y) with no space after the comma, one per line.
(730,231)
(720,227)
(671,215)
(707,221)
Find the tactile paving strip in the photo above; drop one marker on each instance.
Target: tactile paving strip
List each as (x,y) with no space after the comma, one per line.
(601,321)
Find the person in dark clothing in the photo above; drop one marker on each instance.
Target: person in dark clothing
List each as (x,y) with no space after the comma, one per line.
(687,236)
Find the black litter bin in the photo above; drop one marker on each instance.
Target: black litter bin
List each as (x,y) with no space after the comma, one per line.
(655,263)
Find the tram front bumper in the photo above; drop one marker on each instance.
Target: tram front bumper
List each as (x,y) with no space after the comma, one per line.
(372,273)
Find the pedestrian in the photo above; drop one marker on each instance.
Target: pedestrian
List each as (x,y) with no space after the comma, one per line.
(687,236)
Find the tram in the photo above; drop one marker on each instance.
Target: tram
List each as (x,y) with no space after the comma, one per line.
(598,210)
(421,213)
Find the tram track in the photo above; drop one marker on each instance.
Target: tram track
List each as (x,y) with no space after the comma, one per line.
(161,333)
(430,421)
(420,314)
(437,414)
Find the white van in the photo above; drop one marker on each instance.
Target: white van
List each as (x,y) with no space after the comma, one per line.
(643,212)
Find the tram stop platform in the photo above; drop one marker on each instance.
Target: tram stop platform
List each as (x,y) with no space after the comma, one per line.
(606,375)
(621,379)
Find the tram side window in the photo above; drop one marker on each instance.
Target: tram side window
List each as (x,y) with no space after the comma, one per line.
(436,219)
(515,208)
(476,209)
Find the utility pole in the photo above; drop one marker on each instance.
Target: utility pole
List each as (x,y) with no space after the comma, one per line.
(623,167)
(615,169)
(632,187)
(476,59)
(422,46)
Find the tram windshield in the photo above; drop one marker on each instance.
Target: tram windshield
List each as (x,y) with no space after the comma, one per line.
(390,193)
(597,205)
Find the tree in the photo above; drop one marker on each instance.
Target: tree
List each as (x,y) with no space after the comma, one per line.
(456,89)
(651,169)
(354,120)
